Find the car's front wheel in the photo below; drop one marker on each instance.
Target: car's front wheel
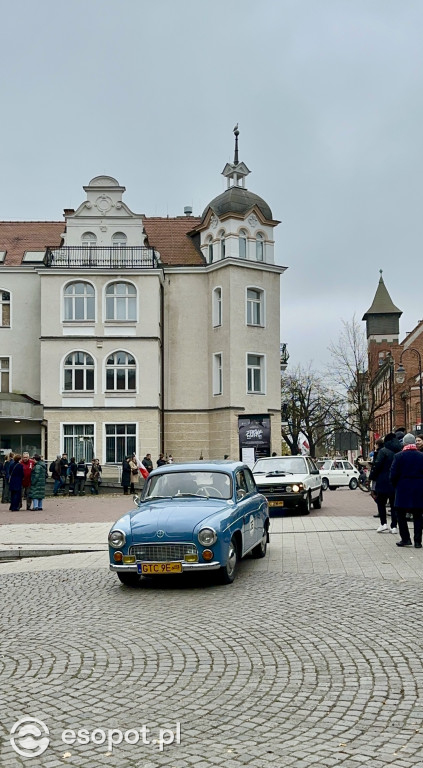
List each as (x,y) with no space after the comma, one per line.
(353,483)
(260,549)
(129,579)
(306,505)
(227,572)
(317,503)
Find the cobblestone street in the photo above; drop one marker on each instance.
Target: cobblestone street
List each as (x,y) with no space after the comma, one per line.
(311,658)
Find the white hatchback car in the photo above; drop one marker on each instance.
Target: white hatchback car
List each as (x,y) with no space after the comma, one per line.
(338,472)
(292,482)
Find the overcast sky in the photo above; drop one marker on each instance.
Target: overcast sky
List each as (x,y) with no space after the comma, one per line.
(329,99)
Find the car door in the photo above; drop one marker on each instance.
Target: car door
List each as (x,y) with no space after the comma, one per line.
(349,469)
(340,472)
(314,477)
(246,508)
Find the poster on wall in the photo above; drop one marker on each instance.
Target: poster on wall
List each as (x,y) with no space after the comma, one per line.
(254,434)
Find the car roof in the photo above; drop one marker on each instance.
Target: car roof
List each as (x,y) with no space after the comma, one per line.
(205,466)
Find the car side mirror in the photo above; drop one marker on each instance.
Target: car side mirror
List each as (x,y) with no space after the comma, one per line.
(137,500)
(241,493)
(315,472)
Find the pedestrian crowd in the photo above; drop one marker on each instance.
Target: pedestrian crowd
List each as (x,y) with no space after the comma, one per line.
(24,479)
(132,468)
(396,476)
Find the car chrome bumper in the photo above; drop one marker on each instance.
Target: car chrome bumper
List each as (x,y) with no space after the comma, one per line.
(132,568)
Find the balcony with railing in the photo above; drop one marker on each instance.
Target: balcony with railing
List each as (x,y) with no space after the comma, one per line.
(109,257)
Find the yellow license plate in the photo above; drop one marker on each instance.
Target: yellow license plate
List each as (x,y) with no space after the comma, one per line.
(154,569)
(275,503)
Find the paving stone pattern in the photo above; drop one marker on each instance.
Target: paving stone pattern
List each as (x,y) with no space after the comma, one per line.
(279,669)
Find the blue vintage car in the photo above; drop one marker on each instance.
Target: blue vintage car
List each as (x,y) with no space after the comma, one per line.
(202,516)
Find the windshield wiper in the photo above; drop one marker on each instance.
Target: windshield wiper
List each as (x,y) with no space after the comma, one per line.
(196,495)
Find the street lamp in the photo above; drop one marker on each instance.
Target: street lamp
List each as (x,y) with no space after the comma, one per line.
(400,375)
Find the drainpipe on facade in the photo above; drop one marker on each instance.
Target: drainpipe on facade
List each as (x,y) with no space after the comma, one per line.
(162,378)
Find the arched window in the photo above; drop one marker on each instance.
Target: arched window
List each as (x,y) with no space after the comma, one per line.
(79,300)
(255,308)
(217,307)
(119,240)
(120,372)
(88,240)
(5,309)
(121,301)
(242,241)
(209,242)
(79,372)
(222,244)
(259,247)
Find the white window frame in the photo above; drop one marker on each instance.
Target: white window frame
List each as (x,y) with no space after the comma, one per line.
(91,438)
(217,306)
(260,240)
(119,240)
(217,374)
(7,370)
(5,303)
(262,302)
(77,366)
(116,297)
(88,240)
(85,319)
(252,368)
(126,367)
(210,249)
(243,238)
(105,436)
(222,244)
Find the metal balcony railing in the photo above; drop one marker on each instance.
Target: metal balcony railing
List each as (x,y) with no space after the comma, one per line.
(113,257)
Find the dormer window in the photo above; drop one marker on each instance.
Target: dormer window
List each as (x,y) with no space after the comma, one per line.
(259,247)
(88,240)
(119,240)
(242,241)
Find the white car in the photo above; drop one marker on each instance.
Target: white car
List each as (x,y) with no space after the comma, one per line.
(338,472)
(289,481)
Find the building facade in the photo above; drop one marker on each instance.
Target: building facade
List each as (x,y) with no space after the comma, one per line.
(121,332)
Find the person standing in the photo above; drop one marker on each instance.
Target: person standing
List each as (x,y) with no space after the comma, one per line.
(406,476)
(134,473)
(71,473)
(126,475)
(15,484)
(148,463)
(56,473)
(161,460)
(5,496)
(95,475)
(28,465)
(81,475)
(37,490)
(383,488)
(64,463)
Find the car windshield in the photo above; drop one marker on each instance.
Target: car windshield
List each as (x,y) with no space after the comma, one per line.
(214,485)
(294,465)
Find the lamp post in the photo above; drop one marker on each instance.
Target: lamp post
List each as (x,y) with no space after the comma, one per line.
(400,376)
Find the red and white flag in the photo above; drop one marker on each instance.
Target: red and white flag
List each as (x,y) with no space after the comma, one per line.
(143,470)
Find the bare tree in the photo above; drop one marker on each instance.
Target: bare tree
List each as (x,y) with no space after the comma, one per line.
(309,407)
(349,374)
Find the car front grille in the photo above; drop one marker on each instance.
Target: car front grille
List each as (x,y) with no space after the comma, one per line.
(162,553)
(271,489)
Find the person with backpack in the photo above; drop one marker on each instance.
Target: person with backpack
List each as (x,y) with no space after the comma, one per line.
(81,476)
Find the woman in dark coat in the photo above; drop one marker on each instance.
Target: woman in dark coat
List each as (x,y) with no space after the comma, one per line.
(383,487)
(407,478)
(15,484)
(37,490)
(126,475)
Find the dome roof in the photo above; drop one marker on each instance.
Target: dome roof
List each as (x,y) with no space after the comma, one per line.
(237,200)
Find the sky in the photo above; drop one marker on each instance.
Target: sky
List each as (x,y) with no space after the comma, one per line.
(329,100)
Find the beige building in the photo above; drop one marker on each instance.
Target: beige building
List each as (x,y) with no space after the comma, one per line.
(121,332)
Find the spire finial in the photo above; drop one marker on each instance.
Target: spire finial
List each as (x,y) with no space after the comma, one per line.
(236,132)
(381,272)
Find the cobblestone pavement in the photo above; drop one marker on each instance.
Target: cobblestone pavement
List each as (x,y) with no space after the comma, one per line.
(311,658)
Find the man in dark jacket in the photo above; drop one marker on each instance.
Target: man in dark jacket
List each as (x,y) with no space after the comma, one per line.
(383,488)
(407,478)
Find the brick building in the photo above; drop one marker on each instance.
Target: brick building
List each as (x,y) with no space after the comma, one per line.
(395,367)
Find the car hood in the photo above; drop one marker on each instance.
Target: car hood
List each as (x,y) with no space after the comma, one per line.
(177,518)
(278,479)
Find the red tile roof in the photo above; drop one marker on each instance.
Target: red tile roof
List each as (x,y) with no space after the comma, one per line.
(16,237)
(169,237)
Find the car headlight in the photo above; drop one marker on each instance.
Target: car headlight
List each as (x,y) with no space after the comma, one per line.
(207,537)
(297,487)
(117,539)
